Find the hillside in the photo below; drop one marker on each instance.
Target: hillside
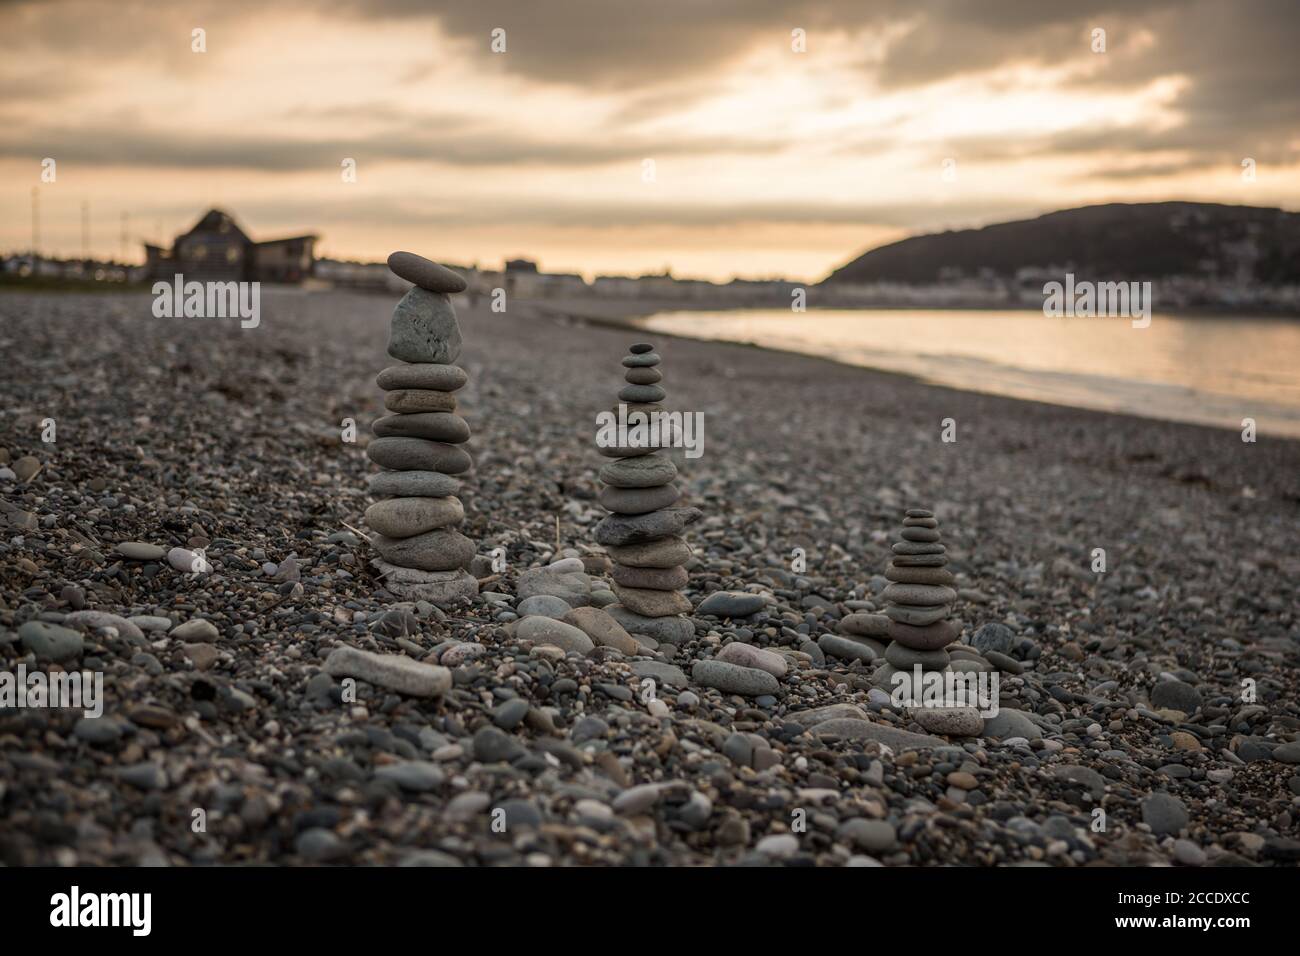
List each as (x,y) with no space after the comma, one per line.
(1121,240)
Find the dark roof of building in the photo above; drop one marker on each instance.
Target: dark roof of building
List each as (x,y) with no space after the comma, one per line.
(272,242)
(214,220)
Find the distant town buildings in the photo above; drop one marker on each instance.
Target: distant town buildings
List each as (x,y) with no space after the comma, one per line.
(217,250)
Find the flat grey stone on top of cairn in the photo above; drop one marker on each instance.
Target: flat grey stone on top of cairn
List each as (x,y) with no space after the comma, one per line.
(643,531)
(422,555)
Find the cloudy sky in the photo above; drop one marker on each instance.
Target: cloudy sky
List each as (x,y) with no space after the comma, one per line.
(618,136)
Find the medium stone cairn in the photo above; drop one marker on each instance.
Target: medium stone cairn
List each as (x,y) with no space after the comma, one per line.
(920,598)
(421,554)
(643,532)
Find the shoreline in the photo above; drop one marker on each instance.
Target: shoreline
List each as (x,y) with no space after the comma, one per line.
(633,316)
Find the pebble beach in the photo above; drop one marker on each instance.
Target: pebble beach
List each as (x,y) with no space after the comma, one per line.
(195,534)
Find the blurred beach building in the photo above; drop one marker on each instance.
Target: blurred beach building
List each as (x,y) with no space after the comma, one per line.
(218,250)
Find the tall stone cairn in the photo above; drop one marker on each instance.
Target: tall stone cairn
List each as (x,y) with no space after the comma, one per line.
(919,599)
(421,554)
(643,532)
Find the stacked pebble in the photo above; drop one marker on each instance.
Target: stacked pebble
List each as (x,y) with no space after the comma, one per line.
(422,555)
(643,533)
(920,598)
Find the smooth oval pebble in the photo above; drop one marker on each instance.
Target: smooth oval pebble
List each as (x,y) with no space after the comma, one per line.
(425,273)
(435,426)
(419,400)
(665,552)
(427,375)
(418,454)
(915,615)
(641,360)
(638,501)
(950,721)
(409,484)
(643,376)
(547,630)
(651,603)
(647,471)
(440,550)
(935,576)
(659,579)
(929,638)
(641,394)
(925,595)
(405,517)
(141,551)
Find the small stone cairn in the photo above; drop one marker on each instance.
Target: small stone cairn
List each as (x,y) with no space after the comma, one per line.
(421,554)
(643,532)
(919,607)
(919,601)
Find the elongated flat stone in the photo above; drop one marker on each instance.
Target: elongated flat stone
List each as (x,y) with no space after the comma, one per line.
(648,471)
(406,517)
(863,624)
(917,615)
(666,630)
(442,588)
(418,454)
(630,529)
(846,648)
(428,375)
(747,655)
(643,376)
(602,629)
(731,604)
(819,715)
(641,360)
(642,393)
(426,273)
(440,550)
(51,641)
(734,679)
(638,501)
(936,576)
(917,547)
(435,426)
(920,560)
(625,451)
(650,603)
(847,728)
(547,630)
(406,484)
(407,400)
(905,658)
(928,638)
(657,579)
(666,552)
(926,595)
(929,535)
(392,671)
